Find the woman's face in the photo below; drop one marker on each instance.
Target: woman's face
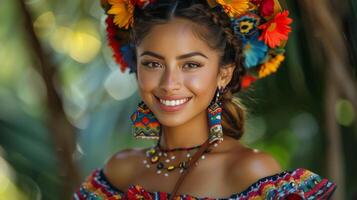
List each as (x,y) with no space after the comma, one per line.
(177,72)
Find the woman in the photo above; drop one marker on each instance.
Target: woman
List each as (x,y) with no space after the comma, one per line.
(190,57)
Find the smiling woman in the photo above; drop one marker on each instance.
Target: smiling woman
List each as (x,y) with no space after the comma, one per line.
(190,57)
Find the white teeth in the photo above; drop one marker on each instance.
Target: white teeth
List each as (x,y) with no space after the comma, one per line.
(173,102)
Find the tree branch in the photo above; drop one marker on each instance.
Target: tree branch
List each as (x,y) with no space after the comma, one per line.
(62,132)
(324,23)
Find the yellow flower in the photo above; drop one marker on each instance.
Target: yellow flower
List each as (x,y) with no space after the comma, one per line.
(123,11)
(271,66)
(234,7)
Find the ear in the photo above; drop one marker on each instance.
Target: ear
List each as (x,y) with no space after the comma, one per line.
(225,75)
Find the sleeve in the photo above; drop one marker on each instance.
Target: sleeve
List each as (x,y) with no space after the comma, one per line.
(97,187)
(299,184)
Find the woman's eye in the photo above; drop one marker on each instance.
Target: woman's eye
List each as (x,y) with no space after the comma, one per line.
(192,65)
(152,65)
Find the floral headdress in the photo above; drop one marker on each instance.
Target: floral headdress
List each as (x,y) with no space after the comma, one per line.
(262,26)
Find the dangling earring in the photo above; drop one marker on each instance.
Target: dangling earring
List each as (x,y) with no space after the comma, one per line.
(145,124)
(215,117)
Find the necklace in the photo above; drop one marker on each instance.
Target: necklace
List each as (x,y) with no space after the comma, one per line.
(177,149)
(158,157)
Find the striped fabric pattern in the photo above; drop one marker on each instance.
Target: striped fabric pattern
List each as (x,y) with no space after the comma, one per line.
(296,184)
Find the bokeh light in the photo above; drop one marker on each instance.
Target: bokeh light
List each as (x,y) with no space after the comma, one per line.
(345,114)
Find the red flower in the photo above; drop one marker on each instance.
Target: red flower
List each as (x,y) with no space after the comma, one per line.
(115,44)
(276,30)
(255,2)
(247,81)
(267,8)
(142,3)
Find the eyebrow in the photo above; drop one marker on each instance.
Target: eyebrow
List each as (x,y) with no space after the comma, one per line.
(150,53)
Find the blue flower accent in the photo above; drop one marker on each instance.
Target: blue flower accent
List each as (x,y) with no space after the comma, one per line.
(128,53)
(246,25)
(254,51)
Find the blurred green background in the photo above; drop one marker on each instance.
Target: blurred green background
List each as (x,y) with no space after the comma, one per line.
(64,105)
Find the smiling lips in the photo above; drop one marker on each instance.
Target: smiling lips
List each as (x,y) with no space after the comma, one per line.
(172,104)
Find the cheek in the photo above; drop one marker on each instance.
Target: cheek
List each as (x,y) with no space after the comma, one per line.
(202,84)
(147,81)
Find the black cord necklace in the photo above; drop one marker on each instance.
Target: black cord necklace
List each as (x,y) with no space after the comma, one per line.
(176,149)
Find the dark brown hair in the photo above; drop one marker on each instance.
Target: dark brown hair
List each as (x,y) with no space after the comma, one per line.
(213,26)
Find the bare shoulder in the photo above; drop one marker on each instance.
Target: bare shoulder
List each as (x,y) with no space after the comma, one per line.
(121,168)
(249,165)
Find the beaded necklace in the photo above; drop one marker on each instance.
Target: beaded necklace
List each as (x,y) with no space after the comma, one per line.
(160,158)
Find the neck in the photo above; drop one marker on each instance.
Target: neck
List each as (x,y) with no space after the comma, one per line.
(194,132)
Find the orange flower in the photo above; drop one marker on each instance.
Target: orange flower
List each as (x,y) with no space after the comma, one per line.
(123,11)
(276,30)
(234,7)
(271,66)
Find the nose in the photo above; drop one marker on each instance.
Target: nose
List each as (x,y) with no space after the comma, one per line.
(170,80)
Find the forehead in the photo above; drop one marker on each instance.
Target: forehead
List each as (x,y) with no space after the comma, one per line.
(178,36)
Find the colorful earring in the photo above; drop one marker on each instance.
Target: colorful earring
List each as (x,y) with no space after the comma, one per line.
(215,117)
(145,125)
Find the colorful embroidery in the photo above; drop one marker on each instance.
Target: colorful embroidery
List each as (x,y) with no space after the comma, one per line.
(297,184)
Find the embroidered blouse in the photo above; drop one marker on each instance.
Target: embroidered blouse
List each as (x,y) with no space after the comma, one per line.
(292,185)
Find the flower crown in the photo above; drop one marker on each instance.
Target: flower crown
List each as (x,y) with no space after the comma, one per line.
(261,25)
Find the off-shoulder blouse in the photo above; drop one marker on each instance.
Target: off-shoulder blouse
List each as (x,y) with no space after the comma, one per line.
(295,184)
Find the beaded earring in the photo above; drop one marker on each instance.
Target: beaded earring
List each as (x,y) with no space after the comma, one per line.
(215,117)
(145,124)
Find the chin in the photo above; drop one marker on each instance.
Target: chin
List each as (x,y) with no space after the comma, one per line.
(171,121)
